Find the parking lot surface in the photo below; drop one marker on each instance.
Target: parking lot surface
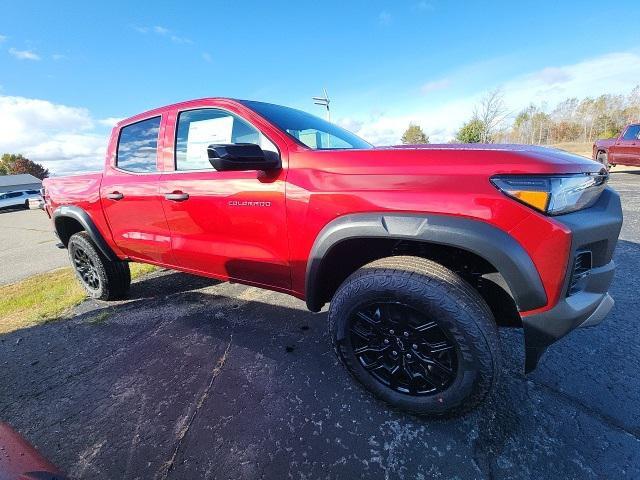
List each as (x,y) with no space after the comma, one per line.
(27,245)
(191,378)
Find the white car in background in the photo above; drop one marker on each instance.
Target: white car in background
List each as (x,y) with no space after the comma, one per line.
(20,198)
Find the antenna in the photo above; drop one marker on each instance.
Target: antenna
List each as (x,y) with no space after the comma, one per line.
(323,102)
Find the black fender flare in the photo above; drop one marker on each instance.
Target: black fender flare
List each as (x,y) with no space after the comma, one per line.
(489,242)
(83,218)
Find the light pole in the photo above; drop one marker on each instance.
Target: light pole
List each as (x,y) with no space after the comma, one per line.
(323,102)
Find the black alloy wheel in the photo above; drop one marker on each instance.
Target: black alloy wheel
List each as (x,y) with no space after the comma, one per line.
(86,269)
(402,348)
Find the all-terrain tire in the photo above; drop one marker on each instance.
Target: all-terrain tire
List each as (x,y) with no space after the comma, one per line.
(103,279)
(433,292)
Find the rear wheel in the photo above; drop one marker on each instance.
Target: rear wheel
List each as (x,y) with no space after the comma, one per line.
(416,335)
(103,279)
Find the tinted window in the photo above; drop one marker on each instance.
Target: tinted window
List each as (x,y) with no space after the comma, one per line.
(138,146)
(32,192)
(308,129)
(14,194)
(197,129)
(632,133)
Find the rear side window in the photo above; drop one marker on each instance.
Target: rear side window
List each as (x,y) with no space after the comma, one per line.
(14,194)
(632,133)
(138,146)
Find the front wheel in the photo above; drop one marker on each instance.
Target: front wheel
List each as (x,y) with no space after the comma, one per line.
(103,279)
(416,335)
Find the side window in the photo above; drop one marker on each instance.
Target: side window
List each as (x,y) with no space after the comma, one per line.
(138,146)
(632,133)
(14,194)
(197,129)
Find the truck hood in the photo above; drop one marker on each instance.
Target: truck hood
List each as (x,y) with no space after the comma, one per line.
(490,159)
(605,143)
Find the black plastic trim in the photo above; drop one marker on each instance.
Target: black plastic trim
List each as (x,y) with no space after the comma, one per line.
(84,219)
(600,223)
(494,245)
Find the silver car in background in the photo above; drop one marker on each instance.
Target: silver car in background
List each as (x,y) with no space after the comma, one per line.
(20,199)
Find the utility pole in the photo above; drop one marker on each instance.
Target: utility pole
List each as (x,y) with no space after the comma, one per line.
(323,102)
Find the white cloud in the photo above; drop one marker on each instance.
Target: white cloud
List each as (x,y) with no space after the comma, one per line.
(24,54)
(3,38)
(177,39)
(384,18)
(58,56)
(424,5)
(435,85)
(163,32)
(207,57)
(60,137)
(109,121)
(611,73)
(160,30)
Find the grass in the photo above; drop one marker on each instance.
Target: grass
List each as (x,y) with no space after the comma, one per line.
(45,297)
(579,148)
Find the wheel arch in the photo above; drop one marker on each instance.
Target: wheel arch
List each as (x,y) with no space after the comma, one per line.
(441,234)
(71,219)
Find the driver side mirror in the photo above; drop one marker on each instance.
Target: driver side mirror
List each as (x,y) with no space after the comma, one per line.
(241,157)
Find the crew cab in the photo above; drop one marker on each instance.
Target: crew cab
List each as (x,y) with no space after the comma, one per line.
(623,150)
(422,252)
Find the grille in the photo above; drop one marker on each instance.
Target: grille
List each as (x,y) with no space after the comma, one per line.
(581,270)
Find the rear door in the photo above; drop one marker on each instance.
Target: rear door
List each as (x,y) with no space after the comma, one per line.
(129,193)
(229,224)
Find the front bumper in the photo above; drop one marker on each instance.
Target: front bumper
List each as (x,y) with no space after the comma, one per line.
(595,229)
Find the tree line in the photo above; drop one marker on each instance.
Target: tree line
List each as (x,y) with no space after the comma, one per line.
(15,164)
(572,120)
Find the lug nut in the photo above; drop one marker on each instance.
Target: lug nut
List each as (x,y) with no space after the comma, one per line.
(386,340)
(391,332)
(394,353)
(406,334)
(414,346)
(409,356)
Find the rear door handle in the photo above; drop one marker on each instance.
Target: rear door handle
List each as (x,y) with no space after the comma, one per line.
(176,196)
(115,196)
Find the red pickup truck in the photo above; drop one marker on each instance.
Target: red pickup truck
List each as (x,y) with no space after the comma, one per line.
(624,150)
(422,251)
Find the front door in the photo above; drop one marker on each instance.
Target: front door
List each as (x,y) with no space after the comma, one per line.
(626,149)
(129,194)
(229,224)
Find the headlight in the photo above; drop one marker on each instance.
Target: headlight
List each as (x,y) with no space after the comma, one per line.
(553,194)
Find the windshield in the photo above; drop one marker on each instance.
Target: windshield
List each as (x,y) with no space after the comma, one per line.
(308,129)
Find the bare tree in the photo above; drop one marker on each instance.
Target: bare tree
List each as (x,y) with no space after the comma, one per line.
(491,111)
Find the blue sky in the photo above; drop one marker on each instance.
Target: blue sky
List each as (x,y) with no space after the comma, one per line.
(67,69)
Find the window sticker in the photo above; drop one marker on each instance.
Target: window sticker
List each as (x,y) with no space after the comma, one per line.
(203,133)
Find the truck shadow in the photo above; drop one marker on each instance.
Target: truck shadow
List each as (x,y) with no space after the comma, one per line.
(242,380)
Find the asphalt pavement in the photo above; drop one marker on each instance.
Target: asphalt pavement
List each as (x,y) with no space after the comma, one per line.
(191,378)
(27,245)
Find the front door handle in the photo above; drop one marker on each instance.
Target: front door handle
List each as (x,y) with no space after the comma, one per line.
(176,196)
(115,196)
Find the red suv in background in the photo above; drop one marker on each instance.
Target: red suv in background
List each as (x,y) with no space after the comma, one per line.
(422,251)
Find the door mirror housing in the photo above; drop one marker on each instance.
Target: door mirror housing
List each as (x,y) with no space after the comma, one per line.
(242,156)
